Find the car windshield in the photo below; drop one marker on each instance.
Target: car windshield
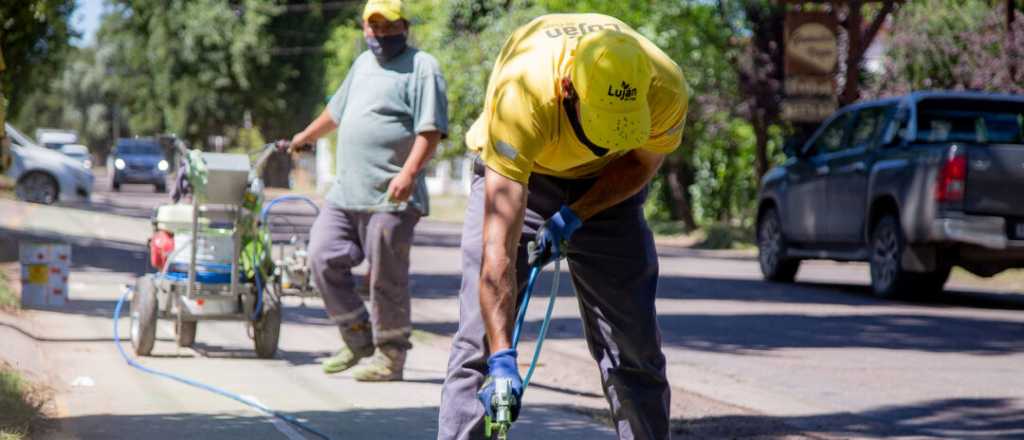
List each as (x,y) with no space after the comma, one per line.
(950,120)
(18,137)
(139,148)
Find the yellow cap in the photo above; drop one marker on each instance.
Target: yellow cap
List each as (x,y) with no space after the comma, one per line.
(390,9)
(611,75)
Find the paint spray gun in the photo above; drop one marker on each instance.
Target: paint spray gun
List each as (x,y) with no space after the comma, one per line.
(502,403)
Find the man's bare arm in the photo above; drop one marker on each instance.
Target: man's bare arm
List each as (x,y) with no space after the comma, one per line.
(504,208)
(619,181)
(320,126)
(423,149)
(403,184)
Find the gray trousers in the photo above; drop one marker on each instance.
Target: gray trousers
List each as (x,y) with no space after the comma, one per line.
(614,269)
(338,241)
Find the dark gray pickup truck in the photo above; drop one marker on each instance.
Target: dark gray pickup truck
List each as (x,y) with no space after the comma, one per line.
(914,185)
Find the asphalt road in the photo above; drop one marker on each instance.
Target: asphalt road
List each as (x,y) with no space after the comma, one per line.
(820,358)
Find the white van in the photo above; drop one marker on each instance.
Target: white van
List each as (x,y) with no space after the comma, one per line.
(55,139)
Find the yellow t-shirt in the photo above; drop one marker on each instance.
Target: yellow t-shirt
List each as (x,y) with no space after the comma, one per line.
(523,128)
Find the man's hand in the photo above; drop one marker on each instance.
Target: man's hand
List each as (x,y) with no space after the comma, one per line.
(501,365)
(401,187)
(553,236)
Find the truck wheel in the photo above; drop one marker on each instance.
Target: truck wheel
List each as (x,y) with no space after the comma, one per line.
(771,250)
(144,316)
(267,329)
(185,332)
(888,279)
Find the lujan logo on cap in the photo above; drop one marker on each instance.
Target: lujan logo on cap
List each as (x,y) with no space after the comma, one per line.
(626,93)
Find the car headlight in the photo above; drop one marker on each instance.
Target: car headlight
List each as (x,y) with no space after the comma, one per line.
(163,165)
(119,164)
(87,163)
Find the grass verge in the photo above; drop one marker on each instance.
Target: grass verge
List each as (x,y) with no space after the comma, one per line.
(21,405)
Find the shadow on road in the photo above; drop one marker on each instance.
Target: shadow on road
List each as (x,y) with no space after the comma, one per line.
(87,254)
(948,418)
(951,418)
(537,422)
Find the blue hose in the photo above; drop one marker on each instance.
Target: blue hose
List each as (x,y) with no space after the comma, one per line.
(287,198)
(287,418)
(257,270)
(521,317)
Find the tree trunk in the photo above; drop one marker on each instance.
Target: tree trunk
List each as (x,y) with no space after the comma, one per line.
(679,179)
(855,52)
(761,146)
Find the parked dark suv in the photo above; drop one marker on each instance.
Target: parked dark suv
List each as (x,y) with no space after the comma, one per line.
(139,160)
(914,185)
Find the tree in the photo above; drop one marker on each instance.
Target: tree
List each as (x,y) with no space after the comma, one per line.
(858,38)
(935,44)
(759,66)
(34,38)
(78,98)
(191,67)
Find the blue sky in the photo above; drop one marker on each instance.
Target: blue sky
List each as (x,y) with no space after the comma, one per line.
(86,20)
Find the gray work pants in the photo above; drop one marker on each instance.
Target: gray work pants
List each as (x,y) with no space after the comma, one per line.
(338,241)
(614,269)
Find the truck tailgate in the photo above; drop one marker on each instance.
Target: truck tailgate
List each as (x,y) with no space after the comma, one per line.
(995,180)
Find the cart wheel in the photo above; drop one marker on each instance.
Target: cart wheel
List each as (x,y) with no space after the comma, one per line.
(144,315)
(267,329)
(185,332)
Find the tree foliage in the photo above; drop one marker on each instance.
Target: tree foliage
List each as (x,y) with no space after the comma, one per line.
(937,44)
(34,38)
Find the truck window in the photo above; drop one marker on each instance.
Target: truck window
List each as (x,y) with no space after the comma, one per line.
(831,139)
(970,121)
(869,120)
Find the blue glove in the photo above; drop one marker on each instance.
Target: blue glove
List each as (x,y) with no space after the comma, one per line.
(501,365)
(553,236)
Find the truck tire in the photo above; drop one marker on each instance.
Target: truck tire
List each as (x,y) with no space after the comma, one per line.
(771,250)
(143,315)
(888,279)
(185,332)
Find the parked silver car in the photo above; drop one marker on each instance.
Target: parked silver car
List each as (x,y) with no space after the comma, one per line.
(45,176)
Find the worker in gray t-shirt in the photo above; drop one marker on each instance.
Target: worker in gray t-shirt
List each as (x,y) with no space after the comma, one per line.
(390,113)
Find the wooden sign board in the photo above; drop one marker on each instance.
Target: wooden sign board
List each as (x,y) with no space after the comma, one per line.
(812,43)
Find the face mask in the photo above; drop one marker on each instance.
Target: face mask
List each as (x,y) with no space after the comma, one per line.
(386,48)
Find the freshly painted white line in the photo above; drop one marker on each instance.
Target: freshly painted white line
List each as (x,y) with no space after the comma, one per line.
(280,425)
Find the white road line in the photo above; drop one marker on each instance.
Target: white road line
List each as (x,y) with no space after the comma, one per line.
(280,425)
